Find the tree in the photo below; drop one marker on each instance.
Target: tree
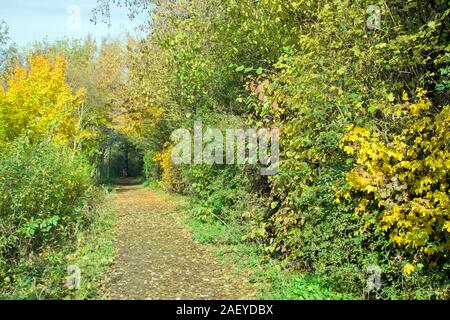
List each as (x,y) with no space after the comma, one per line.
(38,102)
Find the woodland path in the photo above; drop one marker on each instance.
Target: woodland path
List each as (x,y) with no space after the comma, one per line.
(157,258)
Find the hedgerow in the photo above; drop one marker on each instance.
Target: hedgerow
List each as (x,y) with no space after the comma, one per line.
(362,179)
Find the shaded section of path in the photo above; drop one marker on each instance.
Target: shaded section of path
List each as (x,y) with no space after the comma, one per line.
(157,258)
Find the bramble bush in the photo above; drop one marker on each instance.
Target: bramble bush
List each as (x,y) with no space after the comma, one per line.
(221,193)
(44,202)
(341,73)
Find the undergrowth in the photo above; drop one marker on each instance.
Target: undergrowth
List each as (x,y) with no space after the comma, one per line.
(45,276)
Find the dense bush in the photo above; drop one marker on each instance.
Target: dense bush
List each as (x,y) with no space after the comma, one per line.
(170,173)
(44,193)
(221,193)
(405,177)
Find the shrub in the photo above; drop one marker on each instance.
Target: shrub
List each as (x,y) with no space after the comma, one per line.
(170,174)
(221,193)
(151,167)
(401,178)
(43,191)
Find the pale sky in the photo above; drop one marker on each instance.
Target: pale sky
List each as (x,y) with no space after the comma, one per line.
(33,20)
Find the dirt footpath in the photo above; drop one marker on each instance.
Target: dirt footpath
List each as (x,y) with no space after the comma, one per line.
(157,258)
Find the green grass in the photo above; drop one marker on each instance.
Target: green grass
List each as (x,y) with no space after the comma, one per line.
(152,184)
(292,286)
(156,187)
(216,233)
